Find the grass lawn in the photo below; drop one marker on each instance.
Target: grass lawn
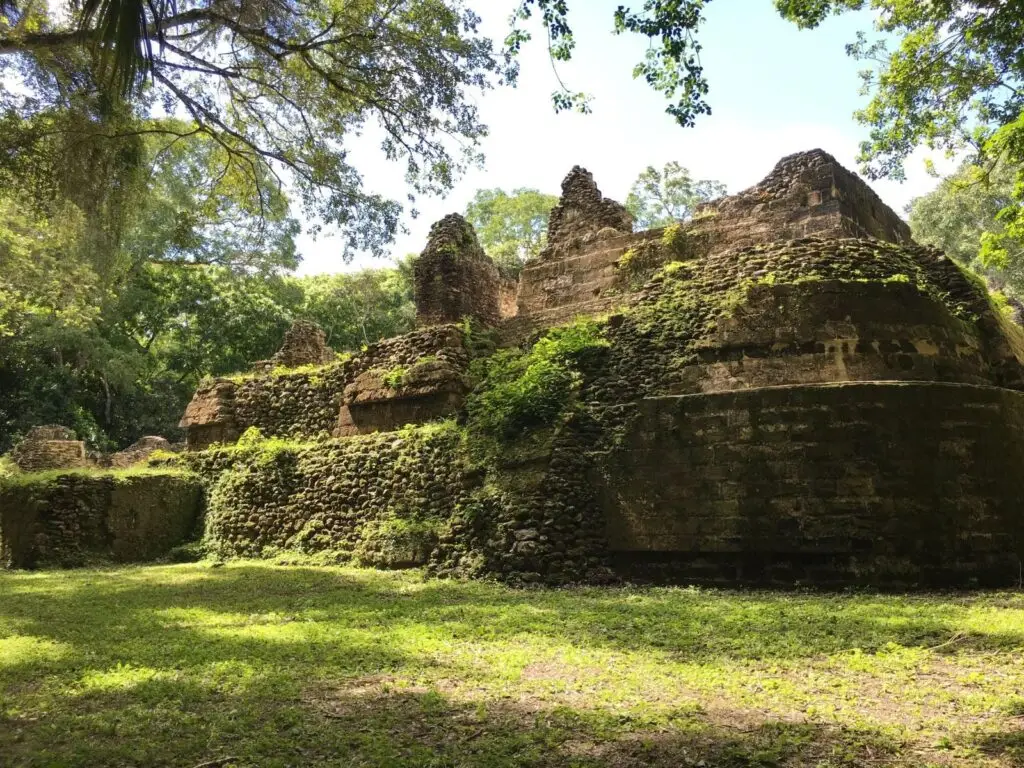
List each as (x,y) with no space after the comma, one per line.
(301,666)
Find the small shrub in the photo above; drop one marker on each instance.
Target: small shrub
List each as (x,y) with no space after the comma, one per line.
(522,390)
(394,377)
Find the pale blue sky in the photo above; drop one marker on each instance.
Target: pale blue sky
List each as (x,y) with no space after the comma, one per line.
(774,90)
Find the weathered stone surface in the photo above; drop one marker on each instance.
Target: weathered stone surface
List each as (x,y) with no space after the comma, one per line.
(454,278)
(77,519)
(310,404)
(806,194)
(885,483)
(583,216)
(210,417)
(139,451)
(49,447)
(305,343)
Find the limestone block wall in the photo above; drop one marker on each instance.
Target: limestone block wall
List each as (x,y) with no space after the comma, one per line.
(806,195)
(882,483)
(76,518)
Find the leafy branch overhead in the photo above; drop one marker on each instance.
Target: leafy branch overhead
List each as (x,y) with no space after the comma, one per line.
(281,86)
(671,65)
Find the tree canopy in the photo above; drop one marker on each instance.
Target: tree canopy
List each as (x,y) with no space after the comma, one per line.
(659,198)
(281,89)
(512,227)
(962,212)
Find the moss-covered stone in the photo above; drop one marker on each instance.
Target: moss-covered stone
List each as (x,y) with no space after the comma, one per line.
(74,518)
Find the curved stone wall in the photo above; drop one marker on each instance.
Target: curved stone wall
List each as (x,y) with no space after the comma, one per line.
(895,483)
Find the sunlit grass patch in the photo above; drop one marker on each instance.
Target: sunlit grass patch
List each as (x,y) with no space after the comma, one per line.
(179,665)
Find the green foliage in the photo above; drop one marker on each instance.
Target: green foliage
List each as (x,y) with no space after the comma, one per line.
(661,198)
(397,541)
(286,105)
(946,76)
(357,308)
(671,66)
(512,228)
(521,391)
(965,209)
(50,476)
(395,377)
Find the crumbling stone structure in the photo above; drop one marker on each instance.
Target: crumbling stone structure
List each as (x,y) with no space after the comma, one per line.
(454,278)
(49,447)
(411,378)
(305,343)
(139,451)
(582,216)
(78,519)
(785,389)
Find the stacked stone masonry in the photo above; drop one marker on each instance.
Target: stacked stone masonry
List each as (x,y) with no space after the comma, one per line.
(787,390)
(415,377)
(79,519)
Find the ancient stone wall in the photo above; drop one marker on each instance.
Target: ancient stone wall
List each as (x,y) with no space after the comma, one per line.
(381,499)
(49,447)
(883,483)
(582,216)
(414,377)
(305,343)
(806,194)
(807,311)
(139,451)
(74,519)
(454,278)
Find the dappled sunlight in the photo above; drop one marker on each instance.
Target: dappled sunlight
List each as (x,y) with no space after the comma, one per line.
(368,665)
(26,649)
(123,677)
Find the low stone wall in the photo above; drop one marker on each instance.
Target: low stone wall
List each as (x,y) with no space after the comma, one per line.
(381,499)
(69,519)
(880,483)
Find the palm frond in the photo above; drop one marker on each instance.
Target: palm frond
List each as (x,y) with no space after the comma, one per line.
(121,32)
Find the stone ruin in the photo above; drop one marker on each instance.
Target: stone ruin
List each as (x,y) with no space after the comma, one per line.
(305,343)
(56,447)
(49,447)
(582,216)
(454,278)
(791,391)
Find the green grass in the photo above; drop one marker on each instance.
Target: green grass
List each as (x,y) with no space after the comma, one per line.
(302,666)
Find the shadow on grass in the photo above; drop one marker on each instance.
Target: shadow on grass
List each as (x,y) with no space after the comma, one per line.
(160,723)
(687,624)
(181,665)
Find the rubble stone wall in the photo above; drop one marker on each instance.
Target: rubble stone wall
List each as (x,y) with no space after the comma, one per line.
(806,195)
(69,519)
(383,499)
(312,403)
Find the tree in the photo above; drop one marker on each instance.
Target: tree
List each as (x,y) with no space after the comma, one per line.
(512,228)
(961,212)
(359,308)
(281,88)
(954,81)
(110,313)
(659,198)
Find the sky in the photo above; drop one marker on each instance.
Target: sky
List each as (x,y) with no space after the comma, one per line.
(774,90)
